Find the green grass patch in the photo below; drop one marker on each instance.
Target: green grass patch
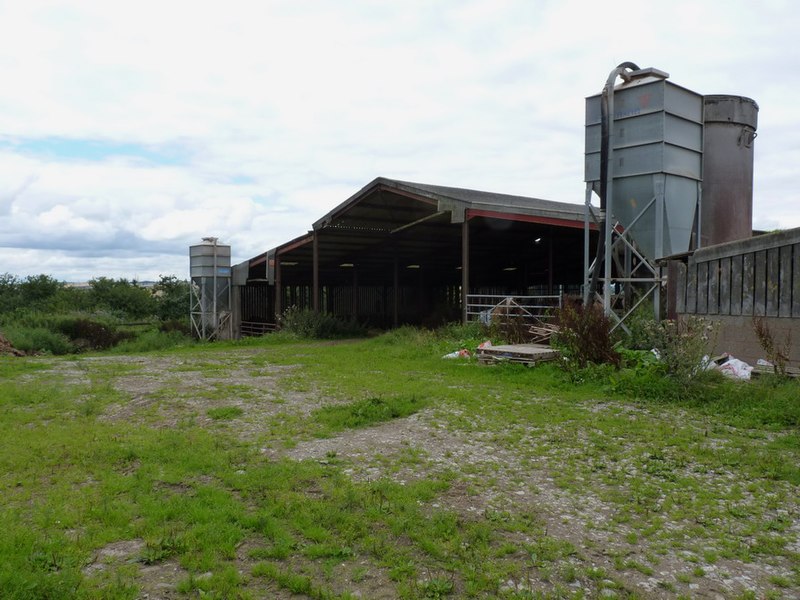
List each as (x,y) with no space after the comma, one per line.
(712,475)
(225,413)
(368,411)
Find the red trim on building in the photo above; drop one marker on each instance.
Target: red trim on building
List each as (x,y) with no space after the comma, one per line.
(296,244)
(471,213)
(258,260)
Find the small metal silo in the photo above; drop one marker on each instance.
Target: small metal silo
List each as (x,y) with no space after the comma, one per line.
(729,131)
(210,273)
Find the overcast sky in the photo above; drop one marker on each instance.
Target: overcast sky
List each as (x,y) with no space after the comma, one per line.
(130,130)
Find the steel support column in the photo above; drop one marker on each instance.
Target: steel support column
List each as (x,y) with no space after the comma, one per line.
(549,265)
(355,292)
(315,276)
(464,269)
(395,292)
(278,289)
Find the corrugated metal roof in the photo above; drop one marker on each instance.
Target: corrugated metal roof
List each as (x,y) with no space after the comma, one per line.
(459,199)
(390,220)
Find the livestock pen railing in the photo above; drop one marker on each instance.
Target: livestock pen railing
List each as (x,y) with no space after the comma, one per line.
(485,307)
(253,328)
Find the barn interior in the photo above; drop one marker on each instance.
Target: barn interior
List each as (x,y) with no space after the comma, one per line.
(407,253)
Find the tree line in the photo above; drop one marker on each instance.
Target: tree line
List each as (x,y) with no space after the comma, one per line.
(167,300)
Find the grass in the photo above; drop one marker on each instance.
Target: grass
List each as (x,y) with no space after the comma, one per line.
(709,476)
(363,413)
(222,413)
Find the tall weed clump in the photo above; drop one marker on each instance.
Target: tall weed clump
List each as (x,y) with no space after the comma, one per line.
(306,323)
(152,340)
(682,345)
(584,335)
(777,351)
(38,340)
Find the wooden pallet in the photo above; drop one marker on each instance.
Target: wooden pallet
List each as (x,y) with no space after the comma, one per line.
(760,370)
(542,332)
(528,354)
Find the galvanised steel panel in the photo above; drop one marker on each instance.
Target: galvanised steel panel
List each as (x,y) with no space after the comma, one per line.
(209,260)
(657,135)
(209,250)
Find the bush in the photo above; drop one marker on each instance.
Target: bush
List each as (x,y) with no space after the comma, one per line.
(180,325)
(172,298)
(308,324)
(682,345)
(38,340)
(123,297)
(152,340)
(91,335)
(584,335)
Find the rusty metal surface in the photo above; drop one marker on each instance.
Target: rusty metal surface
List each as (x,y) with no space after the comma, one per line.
(729,133)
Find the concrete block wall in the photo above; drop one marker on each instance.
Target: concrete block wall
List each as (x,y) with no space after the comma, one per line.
(737,337)
(730,283)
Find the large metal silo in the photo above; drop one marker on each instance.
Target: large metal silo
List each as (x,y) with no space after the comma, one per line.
(210,273)
(656,159)
(729,131)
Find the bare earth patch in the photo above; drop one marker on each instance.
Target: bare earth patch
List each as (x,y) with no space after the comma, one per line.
(492,476)
(156,581)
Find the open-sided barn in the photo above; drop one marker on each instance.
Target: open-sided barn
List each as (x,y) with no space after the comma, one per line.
(398,252)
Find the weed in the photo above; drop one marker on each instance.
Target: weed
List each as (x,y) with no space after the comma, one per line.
(682,345)
(169,545)
(306,323)
(777,352)
(366,412)
(584,335)
(224,413)
(436,587)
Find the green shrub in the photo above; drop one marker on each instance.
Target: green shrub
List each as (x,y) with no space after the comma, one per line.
(179,325)
(682,345)
(584,335)
(406,335)
(152,340)
(639,325)
(308,324)
(91,335)
(38,340)
(122,297)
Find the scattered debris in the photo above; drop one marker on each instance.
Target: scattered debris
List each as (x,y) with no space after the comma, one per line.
(731,366)
(463,353)
(764,367)
(542,332)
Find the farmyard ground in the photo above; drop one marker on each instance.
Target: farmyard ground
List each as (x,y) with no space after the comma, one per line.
(484,487)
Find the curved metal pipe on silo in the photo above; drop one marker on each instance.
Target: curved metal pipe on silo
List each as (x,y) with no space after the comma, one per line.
(730,124)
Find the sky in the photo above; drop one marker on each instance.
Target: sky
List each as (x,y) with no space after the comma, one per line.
(131,130)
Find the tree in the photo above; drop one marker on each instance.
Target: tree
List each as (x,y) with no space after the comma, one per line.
(9,292)
(122,296)
(37,291)
(172,298)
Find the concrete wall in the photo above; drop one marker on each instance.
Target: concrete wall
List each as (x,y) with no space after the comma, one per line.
(737,337)
(731,283)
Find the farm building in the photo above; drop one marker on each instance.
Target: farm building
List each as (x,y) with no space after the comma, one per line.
(673,171)
(408,253)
